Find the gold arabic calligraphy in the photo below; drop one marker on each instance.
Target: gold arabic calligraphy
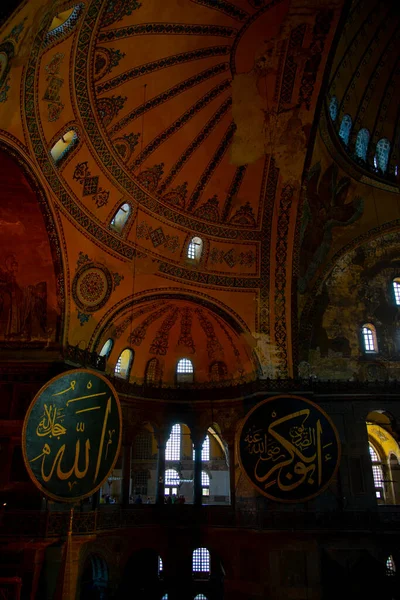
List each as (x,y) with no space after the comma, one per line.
(50,425)
(288,459)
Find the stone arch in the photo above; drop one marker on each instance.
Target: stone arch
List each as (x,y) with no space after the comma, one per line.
(40,278)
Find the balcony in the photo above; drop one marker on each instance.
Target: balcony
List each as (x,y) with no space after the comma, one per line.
(48,524)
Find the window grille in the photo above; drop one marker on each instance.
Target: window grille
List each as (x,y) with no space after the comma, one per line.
(369,339)
(142,446)
(362,144)
(201,560)
(333,108)
(218,371)
(390,567)
(396,288)
(205,483)
(377,472)
(345,129)
(140,479)
(153,372)
(184,366)
(195,248)
(184,371)
(173,447)
(205,449)
(382,154)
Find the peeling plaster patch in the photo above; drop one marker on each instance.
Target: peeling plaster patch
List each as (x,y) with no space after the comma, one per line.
(248,110)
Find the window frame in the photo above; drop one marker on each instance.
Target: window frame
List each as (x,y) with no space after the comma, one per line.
(129,368)
(365,336)
(194,251)
(184,376)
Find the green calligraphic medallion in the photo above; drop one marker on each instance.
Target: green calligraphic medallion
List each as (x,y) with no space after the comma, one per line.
(289,448)
(72,435)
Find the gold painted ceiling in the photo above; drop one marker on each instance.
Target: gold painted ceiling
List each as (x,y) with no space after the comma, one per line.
(202,116)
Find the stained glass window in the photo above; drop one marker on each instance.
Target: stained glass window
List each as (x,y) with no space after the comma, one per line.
(382,154)
(333,108)
(362,144)
(201,560)
(345,129)
(173,447)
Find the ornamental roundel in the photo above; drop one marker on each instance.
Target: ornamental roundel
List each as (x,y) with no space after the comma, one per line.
(91,287)
(289,449)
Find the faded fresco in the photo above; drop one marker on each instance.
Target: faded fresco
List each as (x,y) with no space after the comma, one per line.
(28,302)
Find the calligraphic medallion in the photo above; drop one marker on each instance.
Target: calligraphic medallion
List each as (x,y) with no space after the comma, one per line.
(71,436)
(288,448)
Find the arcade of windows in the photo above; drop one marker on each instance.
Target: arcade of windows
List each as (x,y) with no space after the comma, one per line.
(368,330)
(380,160)
(123,366)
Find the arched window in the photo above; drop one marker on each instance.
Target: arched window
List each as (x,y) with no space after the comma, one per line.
(369,338)
(61,18)
(345,129)
(396,289)
(218,371)
(382,154)
(201,562)
(195,248)
(184,371)
(160,567)
(107,347)
(121,217)
(205,484)
(333,108)
(377,472)
(173,447)
(205,449)
(390,566)
(200,597)
(153,372)
(165,597)
(172,482)
(124,364)
(362,144)
(64,145)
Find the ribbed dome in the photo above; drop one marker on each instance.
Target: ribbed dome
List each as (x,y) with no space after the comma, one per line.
(169,330)
(363,91)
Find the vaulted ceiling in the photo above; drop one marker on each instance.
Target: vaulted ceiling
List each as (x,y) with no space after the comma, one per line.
(203,116)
